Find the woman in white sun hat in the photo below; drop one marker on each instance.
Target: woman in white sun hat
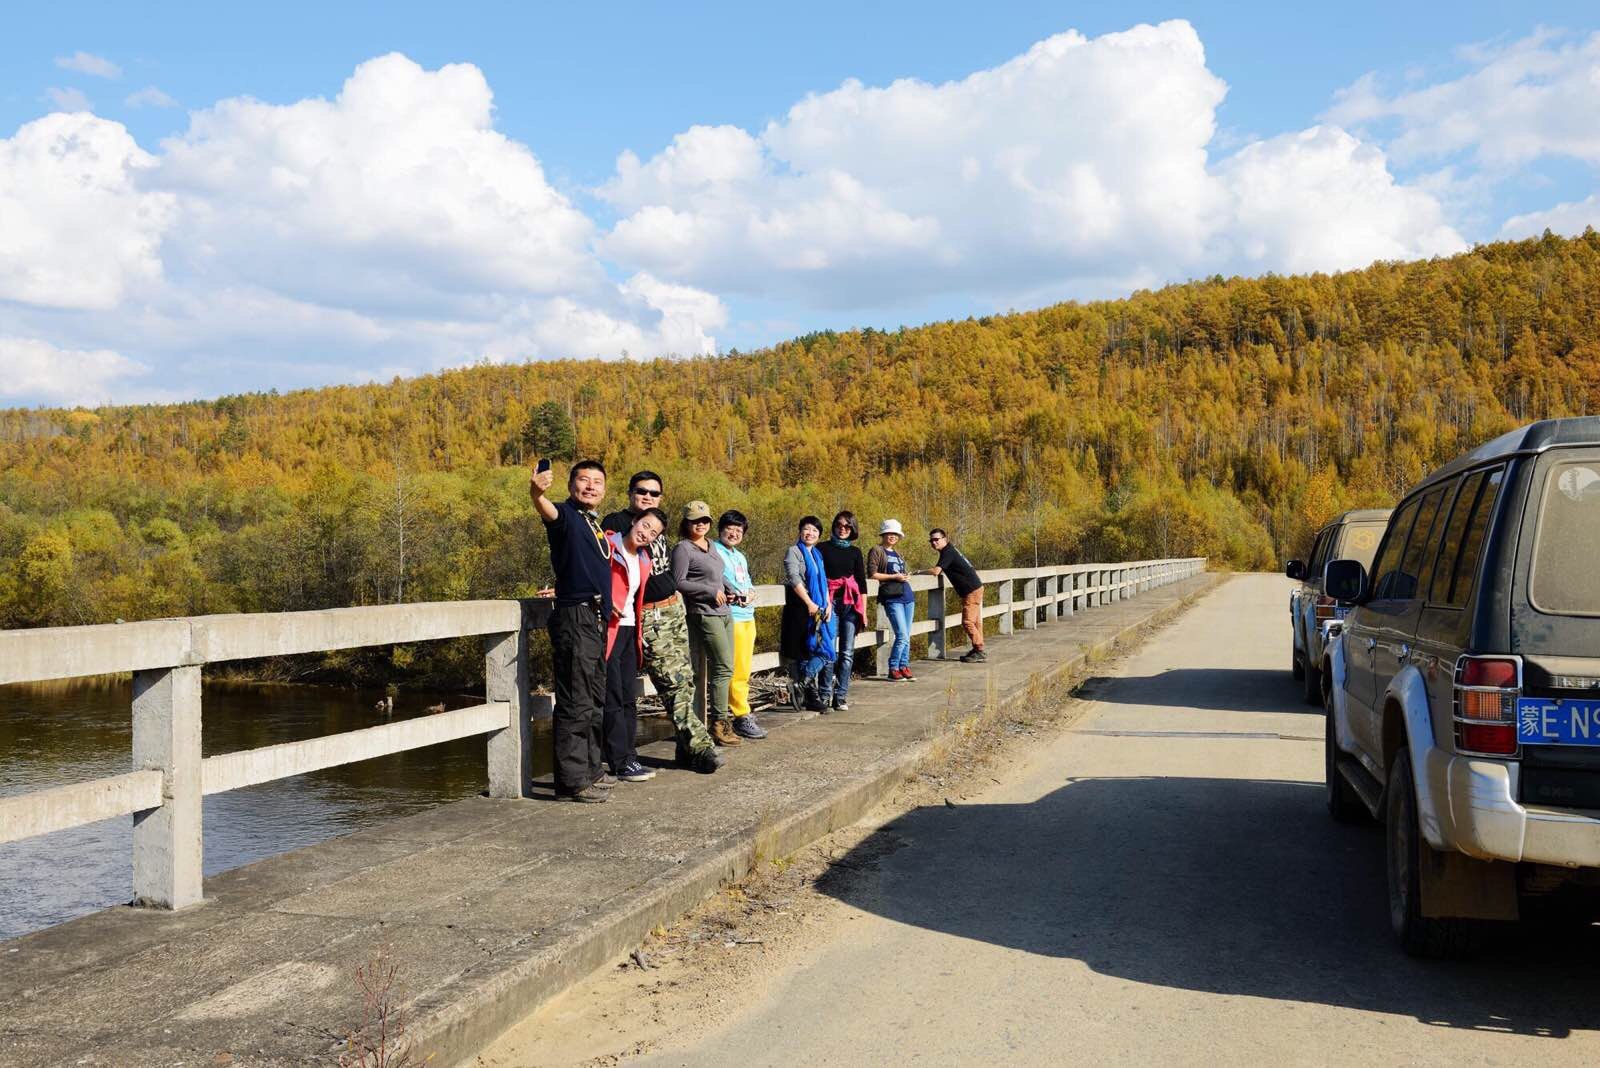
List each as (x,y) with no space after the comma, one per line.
(894,594)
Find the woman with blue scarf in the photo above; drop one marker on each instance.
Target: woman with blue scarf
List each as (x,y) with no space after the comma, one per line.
(807,637)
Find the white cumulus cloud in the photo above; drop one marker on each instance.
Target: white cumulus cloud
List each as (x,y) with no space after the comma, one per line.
(271,244)
(76,228)
(1321,198)
(90,64)
(1082,164)
(399,190)
(32,369)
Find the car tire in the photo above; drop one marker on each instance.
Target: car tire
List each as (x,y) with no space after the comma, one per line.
(1344,804)
(1311,685)
(1430,937)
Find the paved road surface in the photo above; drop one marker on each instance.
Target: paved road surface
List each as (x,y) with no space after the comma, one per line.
(1162,884)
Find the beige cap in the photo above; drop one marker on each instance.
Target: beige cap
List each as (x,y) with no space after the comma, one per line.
(696,510)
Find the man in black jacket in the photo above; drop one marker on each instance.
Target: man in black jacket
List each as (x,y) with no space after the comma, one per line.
(969,587)
(580,556)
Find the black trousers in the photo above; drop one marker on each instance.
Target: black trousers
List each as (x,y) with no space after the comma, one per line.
(620,726)
(578,642)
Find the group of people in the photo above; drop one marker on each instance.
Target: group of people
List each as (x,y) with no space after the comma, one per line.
(626,602)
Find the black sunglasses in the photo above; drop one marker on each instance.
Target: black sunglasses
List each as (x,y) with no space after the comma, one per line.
(641,491)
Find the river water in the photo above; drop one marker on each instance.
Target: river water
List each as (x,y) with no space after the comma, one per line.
(51,735)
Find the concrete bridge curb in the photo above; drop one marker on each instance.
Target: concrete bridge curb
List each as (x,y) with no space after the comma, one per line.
(494,906)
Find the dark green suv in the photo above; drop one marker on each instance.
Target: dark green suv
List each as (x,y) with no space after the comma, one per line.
(1464,689)
(1351,536)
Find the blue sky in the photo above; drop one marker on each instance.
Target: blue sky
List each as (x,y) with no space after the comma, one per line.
(745,234)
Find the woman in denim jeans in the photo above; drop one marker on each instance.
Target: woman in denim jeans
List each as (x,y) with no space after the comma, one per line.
(847,591)
(895,595)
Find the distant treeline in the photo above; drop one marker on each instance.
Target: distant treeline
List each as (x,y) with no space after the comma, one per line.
(1223,418)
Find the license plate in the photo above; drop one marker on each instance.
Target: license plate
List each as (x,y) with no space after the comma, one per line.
(1567,722)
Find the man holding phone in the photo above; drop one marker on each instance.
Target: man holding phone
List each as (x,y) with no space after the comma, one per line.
(580,556)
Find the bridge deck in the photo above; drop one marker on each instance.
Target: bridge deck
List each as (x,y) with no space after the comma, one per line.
(488,906)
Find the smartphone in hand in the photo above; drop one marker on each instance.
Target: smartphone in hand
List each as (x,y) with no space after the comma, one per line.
(544,465)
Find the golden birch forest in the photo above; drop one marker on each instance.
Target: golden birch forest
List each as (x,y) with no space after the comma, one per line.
(1222,417)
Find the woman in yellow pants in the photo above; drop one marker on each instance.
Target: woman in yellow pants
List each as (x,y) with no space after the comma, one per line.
(736,577)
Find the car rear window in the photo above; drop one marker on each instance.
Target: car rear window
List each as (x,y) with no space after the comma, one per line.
(1360,543)
(1565,580)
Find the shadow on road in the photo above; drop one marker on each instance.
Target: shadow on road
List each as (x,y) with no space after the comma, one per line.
(1227,886)
(1225,689)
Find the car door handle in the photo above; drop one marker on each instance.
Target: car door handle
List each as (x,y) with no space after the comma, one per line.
(1405,651)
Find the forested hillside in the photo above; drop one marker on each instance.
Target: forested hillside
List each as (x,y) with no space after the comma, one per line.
(1220,417)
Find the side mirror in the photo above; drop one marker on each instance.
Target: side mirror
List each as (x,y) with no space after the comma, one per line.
(1296,570)
(1345,581)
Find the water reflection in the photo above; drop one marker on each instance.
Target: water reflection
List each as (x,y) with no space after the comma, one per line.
(55,734)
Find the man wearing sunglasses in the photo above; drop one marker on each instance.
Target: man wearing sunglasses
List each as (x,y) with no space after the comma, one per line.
(960,573)
(665,629)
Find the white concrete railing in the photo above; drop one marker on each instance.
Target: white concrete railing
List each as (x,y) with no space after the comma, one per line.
(165,657)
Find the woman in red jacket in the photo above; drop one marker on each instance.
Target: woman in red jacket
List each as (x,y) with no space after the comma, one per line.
(630,569)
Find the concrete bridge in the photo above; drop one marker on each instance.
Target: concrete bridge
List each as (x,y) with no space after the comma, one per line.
(492,904)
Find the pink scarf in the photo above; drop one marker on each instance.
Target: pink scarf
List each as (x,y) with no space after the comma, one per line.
(851,594)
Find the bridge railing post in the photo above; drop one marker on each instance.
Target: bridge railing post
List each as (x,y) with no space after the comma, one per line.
(937,643)
(168,852)
(1030,594)
(885,639)
(505,678)
(1008,617)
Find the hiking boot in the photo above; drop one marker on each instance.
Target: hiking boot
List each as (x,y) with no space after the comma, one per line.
(722,733)
(605,782)
(745,726)
(633,771)
(589,795)
(974,656)
(707,761)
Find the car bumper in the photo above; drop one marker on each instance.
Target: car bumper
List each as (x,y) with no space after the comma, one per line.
(1478,814)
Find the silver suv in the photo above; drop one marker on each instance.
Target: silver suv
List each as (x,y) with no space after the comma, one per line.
(1352,536)
(1464,689)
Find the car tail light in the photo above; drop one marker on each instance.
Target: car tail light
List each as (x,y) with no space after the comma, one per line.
(1487,688)
(1324,608)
